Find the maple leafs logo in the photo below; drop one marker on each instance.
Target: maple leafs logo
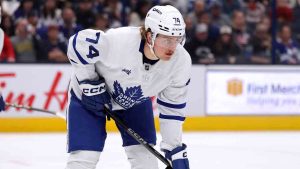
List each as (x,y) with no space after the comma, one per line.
(131,96)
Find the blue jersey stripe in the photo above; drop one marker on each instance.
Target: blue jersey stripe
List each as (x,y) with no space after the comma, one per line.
(169,117)
(174,106)
(77,53)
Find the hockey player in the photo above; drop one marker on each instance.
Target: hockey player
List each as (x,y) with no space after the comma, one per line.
(124,67)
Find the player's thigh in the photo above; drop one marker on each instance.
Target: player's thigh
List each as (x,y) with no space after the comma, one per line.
(140,118)
(86,131)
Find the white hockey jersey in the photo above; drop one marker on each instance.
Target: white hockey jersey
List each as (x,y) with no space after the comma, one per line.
(117,55)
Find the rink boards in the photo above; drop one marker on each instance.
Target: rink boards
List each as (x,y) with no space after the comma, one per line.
(220,97)
(217,123)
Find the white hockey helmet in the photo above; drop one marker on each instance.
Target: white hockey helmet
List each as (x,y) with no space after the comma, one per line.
(165,20)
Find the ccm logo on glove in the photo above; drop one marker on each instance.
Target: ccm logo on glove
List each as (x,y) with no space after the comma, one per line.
(91,90)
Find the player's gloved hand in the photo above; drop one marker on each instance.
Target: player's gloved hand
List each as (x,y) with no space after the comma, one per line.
(178,157)
(94,95)
(2,104)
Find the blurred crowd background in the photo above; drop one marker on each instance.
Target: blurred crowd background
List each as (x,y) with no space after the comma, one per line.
(217,31)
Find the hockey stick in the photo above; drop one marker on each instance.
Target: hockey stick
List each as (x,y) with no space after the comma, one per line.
(131,132)
(138,138)
(59,114)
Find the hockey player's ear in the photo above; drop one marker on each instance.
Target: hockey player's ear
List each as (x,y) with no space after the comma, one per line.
(149,37)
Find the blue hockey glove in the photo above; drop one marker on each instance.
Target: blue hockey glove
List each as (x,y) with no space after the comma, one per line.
(2,104)
(94,96)
(178,157)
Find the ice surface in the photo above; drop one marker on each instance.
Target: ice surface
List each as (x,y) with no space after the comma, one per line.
(206,150)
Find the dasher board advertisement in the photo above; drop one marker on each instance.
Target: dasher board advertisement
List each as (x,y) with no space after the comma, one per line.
(252,92)
(43,86)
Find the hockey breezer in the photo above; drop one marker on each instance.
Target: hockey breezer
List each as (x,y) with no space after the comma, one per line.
(130,131)
(138,138)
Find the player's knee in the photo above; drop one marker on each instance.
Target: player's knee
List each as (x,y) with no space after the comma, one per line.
(140,158)
(83,159)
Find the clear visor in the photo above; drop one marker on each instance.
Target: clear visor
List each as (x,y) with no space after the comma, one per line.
(168,41)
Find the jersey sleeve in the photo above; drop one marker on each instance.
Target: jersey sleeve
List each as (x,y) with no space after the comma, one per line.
(171,105)
(172,100)
(85,49)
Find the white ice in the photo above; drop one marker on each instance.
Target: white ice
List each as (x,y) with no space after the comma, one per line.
(206,150)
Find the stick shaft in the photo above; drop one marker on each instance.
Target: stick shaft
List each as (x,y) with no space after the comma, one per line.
(130,131)
(61,115)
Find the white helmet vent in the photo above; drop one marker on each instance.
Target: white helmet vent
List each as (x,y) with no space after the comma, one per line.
(164,28)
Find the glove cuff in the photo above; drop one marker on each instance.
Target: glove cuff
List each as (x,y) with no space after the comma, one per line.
(178,157)
(92,88)
(177,153)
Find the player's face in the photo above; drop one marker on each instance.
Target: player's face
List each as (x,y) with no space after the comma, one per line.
(164,46)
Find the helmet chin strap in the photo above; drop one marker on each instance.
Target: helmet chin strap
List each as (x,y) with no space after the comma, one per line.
(151,46)
(152,50)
